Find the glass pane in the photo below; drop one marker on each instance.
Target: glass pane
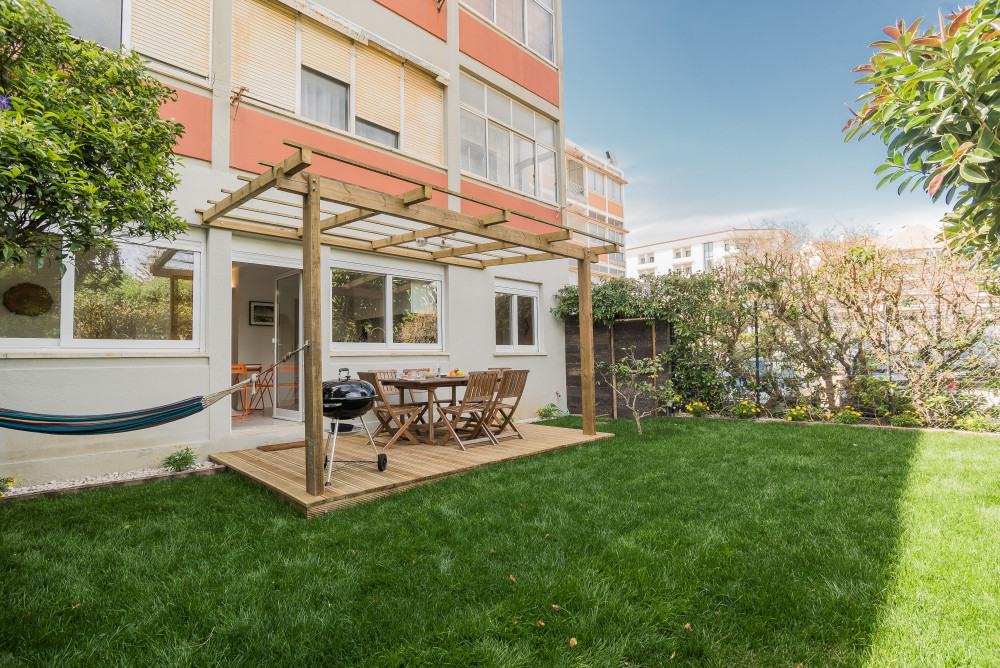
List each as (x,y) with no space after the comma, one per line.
(473,131)
(503,319)
(472,93)
(358,307)
(498,106)
(596,182)
(545,130)
(524,165)
(524,120)
(414,311)
(547,174)
(286,339)
(99,20)
(614,191)
(540,30)
(324,99)
(577,181)
(499,156)
(525,321)
(484,7)
(30,301)
(376,133)
(510,17)
(134,292)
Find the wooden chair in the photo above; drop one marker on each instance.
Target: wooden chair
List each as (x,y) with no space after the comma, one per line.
(239,373)
(501,369)
(475,410)
(393,418)
(508,397)
(264,383)
(414,394)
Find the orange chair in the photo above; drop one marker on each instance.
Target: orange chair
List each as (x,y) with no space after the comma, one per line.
(239,373)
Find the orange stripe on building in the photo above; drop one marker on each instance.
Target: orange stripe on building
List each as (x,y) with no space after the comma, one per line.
(597,202)
(616,209)
(503,56)
(194,112)
(259,136)
(424,14)
(509,201)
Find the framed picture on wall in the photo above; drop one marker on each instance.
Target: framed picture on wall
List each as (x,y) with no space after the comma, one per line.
(262,313)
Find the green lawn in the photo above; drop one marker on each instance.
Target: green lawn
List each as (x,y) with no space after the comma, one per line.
(715,543)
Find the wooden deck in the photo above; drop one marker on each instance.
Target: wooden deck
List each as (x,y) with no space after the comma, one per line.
(283,471)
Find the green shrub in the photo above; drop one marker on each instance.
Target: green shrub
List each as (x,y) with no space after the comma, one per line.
(906,419)
(847,415)
(184,457)
(549,411)
(744,411)
(977,423)
(697,408)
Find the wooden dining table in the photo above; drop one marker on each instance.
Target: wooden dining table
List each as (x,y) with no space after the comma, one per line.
(430,386)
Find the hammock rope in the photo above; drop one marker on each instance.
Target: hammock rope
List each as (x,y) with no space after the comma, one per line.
(113,423)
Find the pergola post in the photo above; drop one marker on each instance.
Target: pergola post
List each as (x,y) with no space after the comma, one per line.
(313,333)
(586,346)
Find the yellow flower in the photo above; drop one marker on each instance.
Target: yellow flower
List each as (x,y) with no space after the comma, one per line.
(789,419)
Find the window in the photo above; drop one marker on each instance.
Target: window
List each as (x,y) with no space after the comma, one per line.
(596,182)
(707,254)
(324,99)
(615,191)
(507,143)
(677,255)
(128,295)
(530,22)
(617,258)
(576,175)
(384,310)
(99,20)
(516,319)
(687,252)
(376,133)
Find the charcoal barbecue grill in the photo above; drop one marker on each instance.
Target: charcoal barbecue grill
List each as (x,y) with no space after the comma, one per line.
(348,399)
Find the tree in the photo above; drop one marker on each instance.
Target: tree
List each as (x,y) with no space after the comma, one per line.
(84,156)
(634,379)
(934,100)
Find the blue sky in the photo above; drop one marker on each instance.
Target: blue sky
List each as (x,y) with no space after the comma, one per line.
(728,113)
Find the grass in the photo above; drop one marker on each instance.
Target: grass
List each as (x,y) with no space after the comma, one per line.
(703,542)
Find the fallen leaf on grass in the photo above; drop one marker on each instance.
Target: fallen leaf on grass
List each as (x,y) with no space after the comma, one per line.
(546,535)
(688,626)
(572,642)
(73,608)
(492,551)
(716,613)
(854,444)
(798,665)
(414,561)
(555,607)
(515,622)
(672,656)
(541,623)
(513,579)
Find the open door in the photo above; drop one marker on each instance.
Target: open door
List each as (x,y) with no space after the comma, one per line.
(288,337)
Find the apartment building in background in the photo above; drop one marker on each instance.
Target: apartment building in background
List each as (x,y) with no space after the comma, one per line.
(691,255)
(462,94)
(595,205)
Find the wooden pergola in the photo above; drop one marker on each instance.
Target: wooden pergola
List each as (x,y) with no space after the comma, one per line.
(289,201)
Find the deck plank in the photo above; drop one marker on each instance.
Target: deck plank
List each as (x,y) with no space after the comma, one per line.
(284,472)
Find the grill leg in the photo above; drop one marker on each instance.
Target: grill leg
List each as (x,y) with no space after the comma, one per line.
(334,428)
(370,439)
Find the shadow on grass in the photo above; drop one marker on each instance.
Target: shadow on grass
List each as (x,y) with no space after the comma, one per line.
(715,543)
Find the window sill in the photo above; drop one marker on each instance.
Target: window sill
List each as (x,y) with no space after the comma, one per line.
(520,353)
(55,353)
(382,352)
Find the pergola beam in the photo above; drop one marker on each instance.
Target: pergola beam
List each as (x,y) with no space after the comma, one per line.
(495,218)
(534,257)
(290,166)
(410,236)
(365,198)
(473,248)
(346,218)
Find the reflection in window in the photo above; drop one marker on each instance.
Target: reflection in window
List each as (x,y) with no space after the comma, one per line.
(498,165)
(473,143)
(525,321)
(30,301)
(376,133)
(358,301)
(524,165)
(414,311)
(546,174)
(324,99)
(99,20)
(133,292)
(503,307)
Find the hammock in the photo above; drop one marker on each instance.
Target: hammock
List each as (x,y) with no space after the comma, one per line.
(113,423)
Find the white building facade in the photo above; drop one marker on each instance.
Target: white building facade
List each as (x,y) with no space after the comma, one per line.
(695,254)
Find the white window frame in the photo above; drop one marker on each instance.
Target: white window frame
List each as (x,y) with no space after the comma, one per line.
(67,309)
(512,132)
(524,22)
(518,289)
(390,272)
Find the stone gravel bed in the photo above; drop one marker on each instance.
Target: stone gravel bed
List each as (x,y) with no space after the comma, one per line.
(115,479)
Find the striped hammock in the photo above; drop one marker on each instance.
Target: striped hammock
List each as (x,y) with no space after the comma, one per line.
(113,423)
